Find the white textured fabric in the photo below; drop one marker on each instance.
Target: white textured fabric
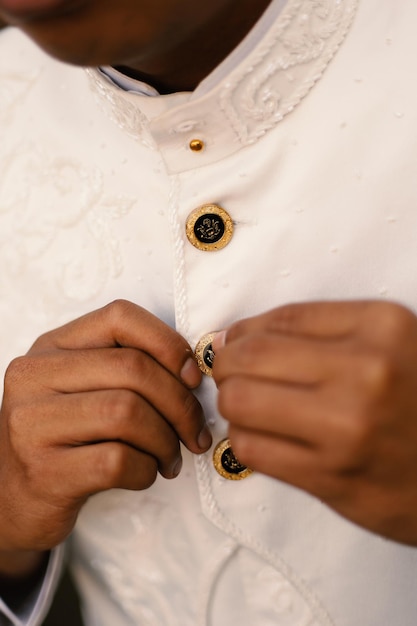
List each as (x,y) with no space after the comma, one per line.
(311,147)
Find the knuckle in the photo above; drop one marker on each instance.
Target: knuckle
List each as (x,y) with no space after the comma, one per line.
(19,372)
(357,432)
(393,321)
(118,468)
(118,408)
(17,422)
(112,464)
(238,329)
(252,350)
(190,408)
(116,312)
(134,363)
(231,398)
(378,373)
(284,317)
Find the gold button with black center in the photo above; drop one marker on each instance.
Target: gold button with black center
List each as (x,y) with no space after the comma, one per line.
(204,354)
(226,464)
(209,228)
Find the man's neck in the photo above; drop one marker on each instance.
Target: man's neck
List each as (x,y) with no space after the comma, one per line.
(194,59)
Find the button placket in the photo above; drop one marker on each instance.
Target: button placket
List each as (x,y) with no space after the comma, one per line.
(224,460)
(210,228)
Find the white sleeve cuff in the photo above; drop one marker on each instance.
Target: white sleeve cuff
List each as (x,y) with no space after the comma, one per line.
(36,607)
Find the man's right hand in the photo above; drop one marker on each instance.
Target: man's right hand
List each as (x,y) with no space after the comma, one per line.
(99,403)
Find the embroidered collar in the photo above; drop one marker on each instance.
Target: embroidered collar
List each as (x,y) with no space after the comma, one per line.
(249,100)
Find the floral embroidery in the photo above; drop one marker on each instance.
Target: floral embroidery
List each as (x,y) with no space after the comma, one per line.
(262,91)
(286,66)
(58,201)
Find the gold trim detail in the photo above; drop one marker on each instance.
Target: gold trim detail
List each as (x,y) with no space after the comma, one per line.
(201,353)
(224,459)
(209,228)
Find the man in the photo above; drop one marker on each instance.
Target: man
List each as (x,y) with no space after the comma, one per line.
(277,167)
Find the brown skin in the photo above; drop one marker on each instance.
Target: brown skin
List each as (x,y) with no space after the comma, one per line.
(320,395)
(173,44)
(82,413)
(324,396)
(155,39)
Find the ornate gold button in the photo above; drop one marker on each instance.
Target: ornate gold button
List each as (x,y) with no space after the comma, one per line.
(209,228)
(226,464)
(197,145)
(204,354)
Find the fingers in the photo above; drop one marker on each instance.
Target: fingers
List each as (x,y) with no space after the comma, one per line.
(312,391)
(298,361)
(125,324)
(278,410)
(283,459)
(315,392)
(336,428)
(326,320)
(290,462)
(100,403)
(108,415)
(271,356)
(316,319)
(63,374)
(87,470)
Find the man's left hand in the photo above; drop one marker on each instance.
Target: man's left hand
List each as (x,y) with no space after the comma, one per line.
(324,396)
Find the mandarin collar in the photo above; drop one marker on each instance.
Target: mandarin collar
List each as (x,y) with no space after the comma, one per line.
(253,90)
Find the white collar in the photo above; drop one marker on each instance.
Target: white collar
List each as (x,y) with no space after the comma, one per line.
(247,95)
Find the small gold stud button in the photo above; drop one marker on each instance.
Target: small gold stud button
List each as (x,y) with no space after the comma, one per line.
(209,228)
(226,464)
(204,354)
(197,145)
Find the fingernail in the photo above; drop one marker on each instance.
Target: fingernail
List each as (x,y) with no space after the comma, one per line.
(219,340)
(204,439)
(190,374)
(177,467)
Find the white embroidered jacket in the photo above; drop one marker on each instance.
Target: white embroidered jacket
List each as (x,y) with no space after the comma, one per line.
(311,146)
